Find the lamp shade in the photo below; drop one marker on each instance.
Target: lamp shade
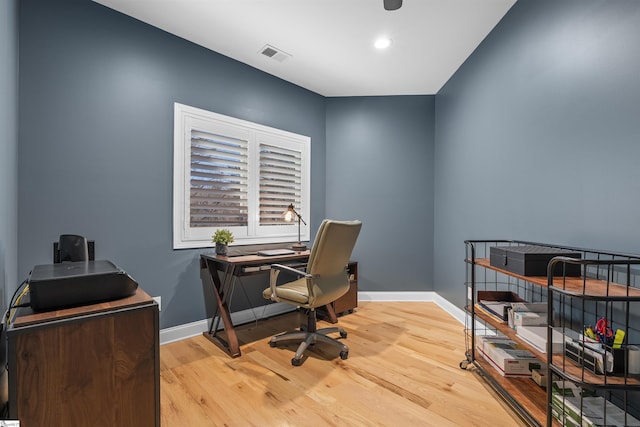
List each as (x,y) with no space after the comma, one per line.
(290,215)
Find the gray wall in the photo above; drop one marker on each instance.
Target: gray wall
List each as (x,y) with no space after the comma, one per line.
(96,138)
(380,170)
(95,156)
(8,149)
(535,138)
(538,134)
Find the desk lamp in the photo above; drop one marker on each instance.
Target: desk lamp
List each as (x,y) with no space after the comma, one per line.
(289,215)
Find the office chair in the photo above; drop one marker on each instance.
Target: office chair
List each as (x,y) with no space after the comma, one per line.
(325,280)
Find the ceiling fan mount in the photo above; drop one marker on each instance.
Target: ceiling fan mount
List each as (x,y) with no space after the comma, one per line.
(392,4)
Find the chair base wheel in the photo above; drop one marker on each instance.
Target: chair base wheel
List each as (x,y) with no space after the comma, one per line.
(272,344)
(344,355)
(296,362)
(343,334)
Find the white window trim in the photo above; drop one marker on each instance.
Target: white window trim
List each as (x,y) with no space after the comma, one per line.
(185,236)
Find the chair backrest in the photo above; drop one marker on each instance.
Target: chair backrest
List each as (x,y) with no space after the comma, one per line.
(328,260)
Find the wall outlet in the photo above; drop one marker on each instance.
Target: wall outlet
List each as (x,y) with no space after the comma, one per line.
(159,301)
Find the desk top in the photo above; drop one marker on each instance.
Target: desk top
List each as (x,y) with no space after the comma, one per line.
(26,317)
(256,259)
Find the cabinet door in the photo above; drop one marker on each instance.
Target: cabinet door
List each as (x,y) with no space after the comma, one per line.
(99,371)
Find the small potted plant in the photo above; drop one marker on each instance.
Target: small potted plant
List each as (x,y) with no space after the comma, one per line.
(222,238)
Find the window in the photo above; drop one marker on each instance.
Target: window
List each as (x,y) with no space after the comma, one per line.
(230,173)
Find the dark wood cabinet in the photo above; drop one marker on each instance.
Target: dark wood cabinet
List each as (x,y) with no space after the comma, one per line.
(349,301)
(96,365)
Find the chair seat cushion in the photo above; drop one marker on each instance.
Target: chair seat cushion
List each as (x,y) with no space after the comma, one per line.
(296,292)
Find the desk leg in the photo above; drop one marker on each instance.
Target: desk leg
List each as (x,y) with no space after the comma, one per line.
(231,345)
(331,313)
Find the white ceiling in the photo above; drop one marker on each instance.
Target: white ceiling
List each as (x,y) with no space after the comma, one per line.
(331,41)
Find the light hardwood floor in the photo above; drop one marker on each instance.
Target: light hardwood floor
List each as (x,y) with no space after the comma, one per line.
(403,370)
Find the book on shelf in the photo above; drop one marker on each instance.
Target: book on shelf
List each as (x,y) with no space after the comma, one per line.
(497,303)
(515,313)
(508,357)
(496,309)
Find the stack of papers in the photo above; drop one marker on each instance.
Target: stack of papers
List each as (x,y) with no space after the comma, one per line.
(537,337)
(593,357)
(567,410)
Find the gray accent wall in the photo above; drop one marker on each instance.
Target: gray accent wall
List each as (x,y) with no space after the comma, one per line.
(536,137)
(8,150)
(96,152)
(538,134)
(96,91)
(380,170)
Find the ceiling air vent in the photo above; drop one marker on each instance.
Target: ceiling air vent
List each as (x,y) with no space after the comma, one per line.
(274,53)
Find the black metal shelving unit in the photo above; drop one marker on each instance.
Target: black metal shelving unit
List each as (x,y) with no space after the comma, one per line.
(608,287)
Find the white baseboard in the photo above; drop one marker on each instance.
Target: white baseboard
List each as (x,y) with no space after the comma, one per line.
(454,311)
(192,329)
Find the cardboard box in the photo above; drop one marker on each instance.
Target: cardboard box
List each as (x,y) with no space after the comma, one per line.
(539,308)
(508,357)
(540,376)
(528,318)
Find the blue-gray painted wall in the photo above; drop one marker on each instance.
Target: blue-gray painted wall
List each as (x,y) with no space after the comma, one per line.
(96,151)
(538,134)
(549,98)
(380,170)
(8,149)
(96,138)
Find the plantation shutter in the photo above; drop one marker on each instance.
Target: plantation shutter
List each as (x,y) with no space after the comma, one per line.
(219,183)
(280,182)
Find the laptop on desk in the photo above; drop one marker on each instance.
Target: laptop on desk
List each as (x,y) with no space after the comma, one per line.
(275,252)
(239,252)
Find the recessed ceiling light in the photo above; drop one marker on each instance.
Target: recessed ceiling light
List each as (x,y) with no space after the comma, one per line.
(382,43)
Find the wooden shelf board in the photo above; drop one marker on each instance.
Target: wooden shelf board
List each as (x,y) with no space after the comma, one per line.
(569,367)
(574,370)
(576,285)
(511,333)
(531,397)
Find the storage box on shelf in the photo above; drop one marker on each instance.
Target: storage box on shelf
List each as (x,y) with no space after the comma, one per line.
(508,357)
(584,285)
(531,260)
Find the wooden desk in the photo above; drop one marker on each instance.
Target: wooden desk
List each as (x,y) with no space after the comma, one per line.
(239,266)
(95,365)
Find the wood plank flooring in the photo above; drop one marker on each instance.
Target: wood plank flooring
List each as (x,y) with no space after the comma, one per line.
(403,370)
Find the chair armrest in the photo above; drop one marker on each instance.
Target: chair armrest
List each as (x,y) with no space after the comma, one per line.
(281,267)
(273,277)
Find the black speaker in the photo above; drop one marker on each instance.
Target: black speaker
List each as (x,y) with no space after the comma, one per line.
(392,4)
(73,248)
